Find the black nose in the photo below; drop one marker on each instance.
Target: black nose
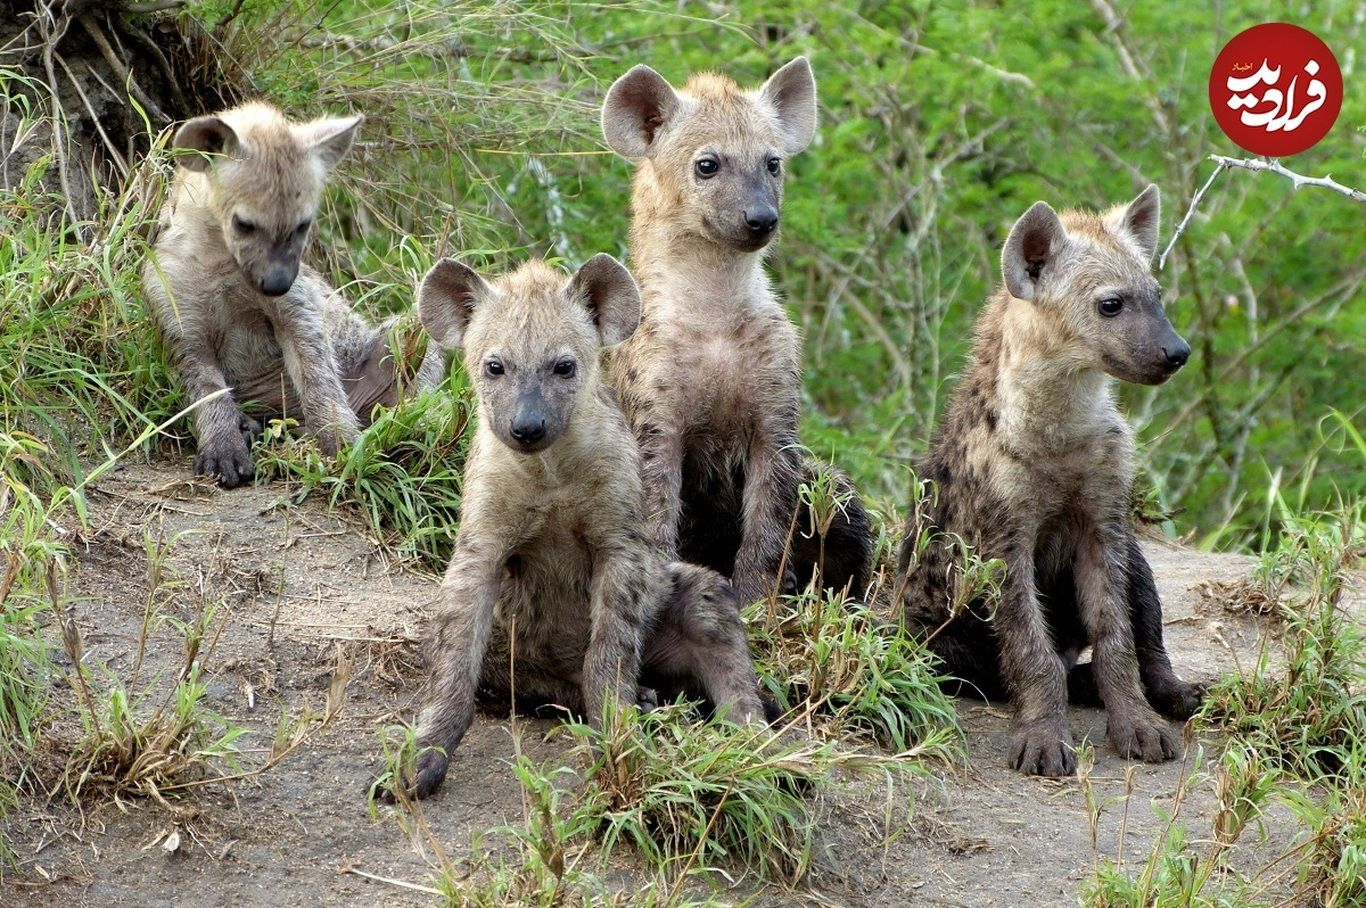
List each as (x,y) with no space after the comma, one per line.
(528,431)
(277,282)
(761,219)
(1177,354)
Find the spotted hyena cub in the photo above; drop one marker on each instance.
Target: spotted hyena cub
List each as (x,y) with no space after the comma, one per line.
(236,308)
(554,589)
(711,382)
(1033,464)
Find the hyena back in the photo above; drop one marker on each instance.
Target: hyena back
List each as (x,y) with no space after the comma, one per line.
(1033,464)
(711,381)
(239,312)
(554,590)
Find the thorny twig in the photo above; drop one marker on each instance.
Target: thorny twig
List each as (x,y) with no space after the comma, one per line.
(1254,164)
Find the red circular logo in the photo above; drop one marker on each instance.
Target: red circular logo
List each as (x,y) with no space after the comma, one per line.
(1275,89)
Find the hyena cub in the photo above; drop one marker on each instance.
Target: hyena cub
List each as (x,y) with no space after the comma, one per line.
(554,590)
(235,307)
(711,381)
(1034,465)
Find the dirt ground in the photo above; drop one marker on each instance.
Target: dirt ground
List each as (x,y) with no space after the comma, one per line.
(300,583)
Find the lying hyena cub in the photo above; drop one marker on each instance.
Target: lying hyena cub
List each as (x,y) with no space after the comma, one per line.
(551,569)
(1034,465)
(711,382)
(236,309)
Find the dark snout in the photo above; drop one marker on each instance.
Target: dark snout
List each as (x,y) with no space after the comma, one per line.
(278,278)
(761,219)
(528,428)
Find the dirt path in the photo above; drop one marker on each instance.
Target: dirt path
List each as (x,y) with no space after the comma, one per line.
(301,583)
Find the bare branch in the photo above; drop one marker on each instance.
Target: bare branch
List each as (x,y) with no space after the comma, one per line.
(1326,182)
(1190,212)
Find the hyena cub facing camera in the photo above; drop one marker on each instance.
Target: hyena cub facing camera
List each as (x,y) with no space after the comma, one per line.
(711,381)
(236,308)
(1033,464)
(554,590)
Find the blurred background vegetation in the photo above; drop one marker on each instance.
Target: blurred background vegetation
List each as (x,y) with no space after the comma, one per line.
(941,123)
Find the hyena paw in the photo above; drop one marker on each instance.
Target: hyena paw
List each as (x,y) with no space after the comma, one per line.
(250,428)
(647,699)
(1179,699)
(1043,748)
(226,457)
(1142,735)
(429,772)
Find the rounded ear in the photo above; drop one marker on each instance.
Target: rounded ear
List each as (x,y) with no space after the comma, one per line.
(446,299)
(1140,219)
(611,296)
(637,105)
(330,138)
(1032,246)
(791,92)
(206,136)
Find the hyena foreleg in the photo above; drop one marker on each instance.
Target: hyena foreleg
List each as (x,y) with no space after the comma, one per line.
(313,370)
(611,666)
(455,659)
(770,499)
(1132,725)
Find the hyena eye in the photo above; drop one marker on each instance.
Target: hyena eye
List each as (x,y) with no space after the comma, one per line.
(1110,306)
(707,167)
(241,226)
(566,368)
(775,166)
(303,228)
(493,368)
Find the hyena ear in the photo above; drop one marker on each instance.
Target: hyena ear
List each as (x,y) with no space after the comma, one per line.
(1032,246)
(446,299)
(610,293)
(330,139)
(207,136)
(1140,219)
(637,105)
(791,92)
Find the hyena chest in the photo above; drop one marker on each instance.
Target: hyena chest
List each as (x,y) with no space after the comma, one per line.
(252,362)
(546,603)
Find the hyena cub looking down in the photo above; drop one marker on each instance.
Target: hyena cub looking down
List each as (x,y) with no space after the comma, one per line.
(1034,465)
(551,569)
(235,307)
(711,381)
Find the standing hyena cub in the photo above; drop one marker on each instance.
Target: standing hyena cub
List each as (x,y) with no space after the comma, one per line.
(1034,465)
(711,382)
(235,307)
(552,571)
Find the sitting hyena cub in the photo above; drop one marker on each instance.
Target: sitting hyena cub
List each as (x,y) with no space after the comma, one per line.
(711,382)
(552,572)
(1034,465)
(235,307)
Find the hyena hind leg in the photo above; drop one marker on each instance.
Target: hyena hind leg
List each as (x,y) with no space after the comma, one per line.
(699,644)
(1167,693)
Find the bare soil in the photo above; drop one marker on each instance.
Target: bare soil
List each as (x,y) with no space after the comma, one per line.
(300,584)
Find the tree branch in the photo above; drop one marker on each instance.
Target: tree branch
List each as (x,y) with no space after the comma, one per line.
(1327,182)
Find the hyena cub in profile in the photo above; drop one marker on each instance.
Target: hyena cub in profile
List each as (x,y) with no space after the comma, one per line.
(552,572)
(711,381)
(1034,465)
(235,307)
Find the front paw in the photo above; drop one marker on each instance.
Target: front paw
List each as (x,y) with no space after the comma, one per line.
(226,457)
(1179,699)
(332,438)
(1043,748)
(647,699)
(1141,734)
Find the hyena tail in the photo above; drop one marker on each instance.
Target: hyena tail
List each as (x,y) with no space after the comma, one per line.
(838,557)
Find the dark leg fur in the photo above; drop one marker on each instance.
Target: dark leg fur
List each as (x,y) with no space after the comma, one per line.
(1167,693)
(842,557)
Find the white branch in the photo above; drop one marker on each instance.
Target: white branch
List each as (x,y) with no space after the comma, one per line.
(1224,162)
(1275,167)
